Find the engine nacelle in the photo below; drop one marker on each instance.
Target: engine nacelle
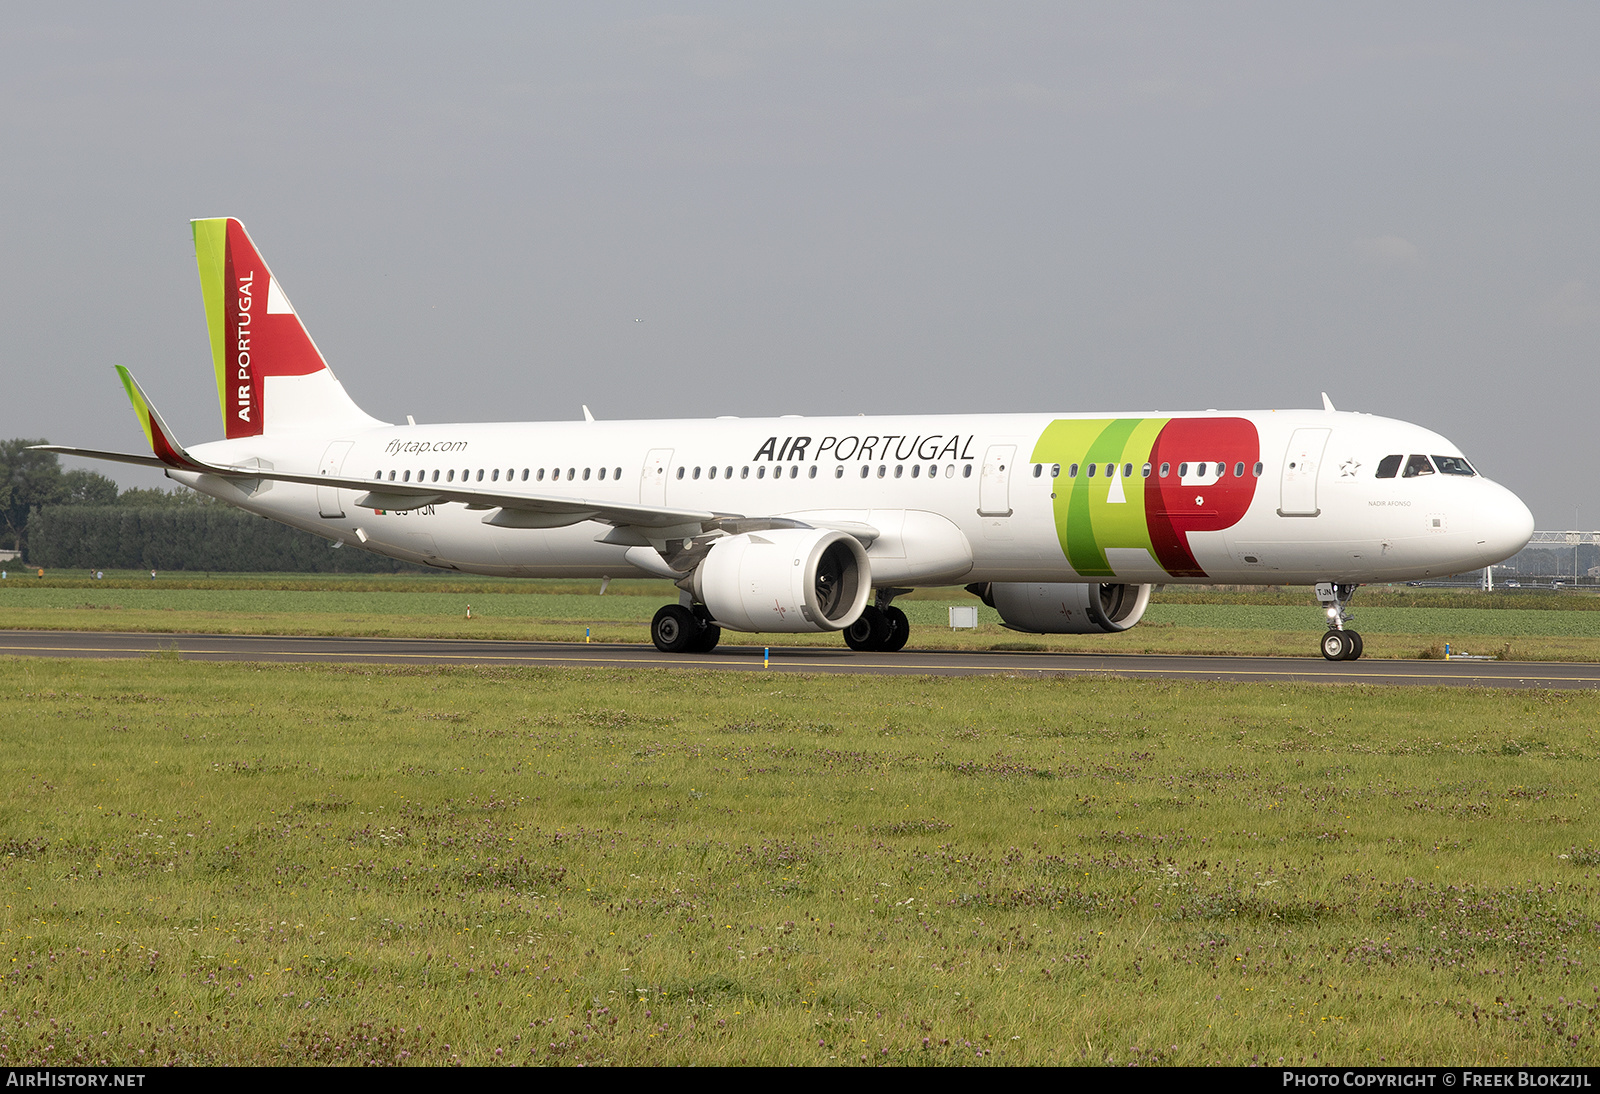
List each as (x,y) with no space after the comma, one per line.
(1065,608)
(785,579)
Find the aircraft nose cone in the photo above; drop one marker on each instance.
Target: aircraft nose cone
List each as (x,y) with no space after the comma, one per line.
(1505,525)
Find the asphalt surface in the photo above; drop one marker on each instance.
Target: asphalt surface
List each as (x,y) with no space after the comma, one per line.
(418,651)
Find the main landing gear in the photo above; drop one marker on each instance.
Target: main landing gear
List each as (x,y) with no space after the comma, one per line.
(686,628)
(882,628)
(1340,643)
(677,629)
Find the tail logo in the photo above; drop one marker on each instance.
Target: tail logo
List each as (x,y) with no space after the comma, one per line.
(246,396)
(255,333)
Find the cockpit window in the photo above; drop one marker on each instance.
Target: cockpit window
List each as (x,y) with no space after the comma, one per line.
(1453,465)
(1417,465)
(1389,466)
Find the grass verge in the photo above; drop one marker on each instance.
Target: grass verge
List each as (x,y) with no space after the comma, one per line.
(238,864)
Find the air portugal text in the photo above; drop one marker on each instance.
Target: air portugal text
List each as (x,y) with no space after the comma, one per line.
(899,446)
(245,401)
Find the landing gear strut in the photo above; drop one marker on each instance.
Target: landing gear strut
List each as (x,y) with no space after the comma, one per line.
(881,628)
(1340,643)
(677,629)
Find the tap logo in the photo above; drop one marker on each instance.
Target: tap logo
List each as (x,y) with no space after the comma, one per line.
(1132,483)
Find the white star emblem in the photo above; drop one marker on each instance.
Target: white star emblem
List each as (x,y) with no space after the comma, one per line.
(1348,469)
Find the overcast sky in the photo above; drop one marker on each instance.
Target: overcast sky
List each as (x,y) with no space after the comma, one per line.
(696,209)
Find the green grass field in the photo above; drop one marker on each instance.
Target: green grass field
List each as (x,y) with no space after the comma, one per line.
(1397,622)
(239,864)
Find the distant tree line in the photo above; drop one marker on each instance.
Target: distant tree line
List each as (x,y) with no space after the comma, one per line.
(183,537)
(29,481)
(79,520)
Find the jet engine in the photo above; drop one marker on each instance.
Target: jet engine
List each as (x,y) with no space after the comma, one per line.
(1075,608)
(784,579)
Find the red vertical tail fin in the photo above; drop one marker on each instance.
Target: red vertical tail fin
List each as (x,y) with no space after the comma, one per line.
(271,378)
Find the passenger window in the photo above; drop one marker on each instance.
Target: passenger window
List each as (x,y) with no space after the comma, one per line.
(761,472)
(794,471)
(450,475)
(966,471)
(1238,470)
(1453,465)
(585,474)
(882,470)
(1092,468)
(1127,470)
(1038,469)
(480,475)
(933,471)
(1072,471)
(696,473)
(712,473)
(838,472)
(1222,469)
(1183,471)
(1055,471)
(616,472)
(949,470)
(540,476)
(572,473)
(864,470)
(602,474)
(407,477)
(744,472)
(727,472)
(680,472)
(524,474)
(1417,465)
(916,470)
(1144,472)
(812,473)
(898,468)
(1166,469)
(1260,467)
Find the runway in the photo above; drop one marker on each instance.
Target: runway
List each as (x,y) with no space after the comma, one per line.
(790,659)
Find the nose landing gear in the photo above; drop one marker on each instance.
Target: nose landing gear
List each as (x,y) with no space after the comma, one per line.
(1340,643)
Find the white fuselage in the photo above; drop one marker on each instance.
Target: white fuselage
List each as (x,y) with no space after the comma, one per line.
(953,498)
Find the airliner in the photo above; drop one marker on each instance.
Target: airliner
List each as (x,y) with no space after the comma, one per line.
(1063,523)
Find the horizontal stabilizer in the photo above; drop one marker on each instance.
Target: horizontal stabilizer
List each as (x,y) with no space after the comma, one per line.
(96,454)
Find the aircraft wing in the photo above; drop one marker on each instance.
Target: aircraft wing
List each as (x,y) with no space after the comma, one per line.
(638,525)
(395,496)
(516,509)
